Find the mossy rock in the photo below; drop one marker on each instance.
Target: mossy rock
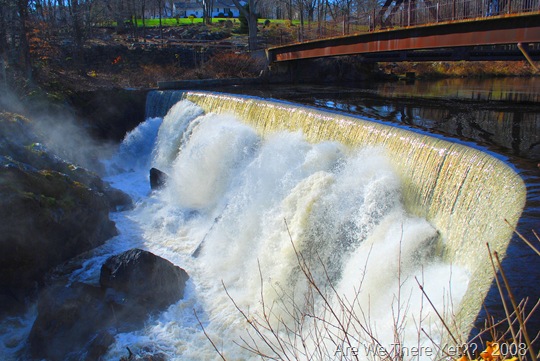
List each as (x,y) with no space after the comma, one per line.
(47,219)
(51,211)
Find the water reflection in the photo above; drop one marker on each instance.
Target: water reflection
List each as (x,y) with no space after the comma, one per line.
(515,90)
(502,114)
(456,107)
(514,128)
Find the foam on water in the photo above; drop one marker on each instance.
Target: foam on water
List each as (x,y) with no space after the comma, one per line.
(252,205)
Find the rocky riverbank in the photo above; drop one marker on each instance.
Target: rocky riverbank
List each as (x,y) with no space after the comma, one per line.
(53,211)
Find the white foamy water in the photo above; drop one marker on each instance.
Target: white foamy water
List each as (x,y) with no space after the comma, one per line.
(257,211)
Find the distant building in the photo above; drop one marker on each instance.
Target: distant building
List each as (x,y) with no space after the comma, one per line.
(195,8)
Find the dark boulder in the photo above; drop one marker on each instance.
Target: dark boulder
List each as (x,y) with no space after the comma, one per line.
(20,143)
(110,114)
(51,210)
(118,200)
(78,322)
(145,280)
(73,322)
(157,179)
(147,356)
(47,218)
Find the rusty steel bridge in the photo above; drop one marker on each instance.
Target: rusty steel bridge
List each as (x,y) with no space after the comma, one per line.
(424,30)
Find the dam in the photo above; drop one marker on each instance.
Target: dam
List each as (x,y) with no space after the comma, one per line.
(268,193)
(306,234)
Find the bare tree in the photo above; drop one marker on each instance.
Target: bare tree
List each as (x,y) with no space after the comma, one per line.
(22,9)
(251,15)
(77,30)
(208,6)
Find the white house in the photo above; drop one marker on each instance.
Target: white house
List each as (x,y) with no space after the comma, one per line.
(194,7)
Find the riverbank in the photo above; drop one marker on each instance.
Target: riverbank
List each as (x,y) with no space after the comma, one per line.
(110,60)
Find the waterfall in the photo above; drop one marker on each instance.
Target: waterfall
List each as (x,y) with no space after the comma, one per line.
(468,195)
(298,218)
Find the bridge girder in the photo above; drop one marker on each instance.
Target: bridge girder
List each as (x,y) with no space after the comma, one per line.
(522,29)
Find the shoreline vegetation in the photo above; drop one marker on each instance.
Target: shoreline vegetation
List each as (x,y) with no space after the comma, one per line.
(139,58)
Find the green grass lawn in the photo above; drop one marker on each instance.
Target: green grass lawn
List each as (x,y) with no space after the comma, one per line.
(180,22)
(185,21)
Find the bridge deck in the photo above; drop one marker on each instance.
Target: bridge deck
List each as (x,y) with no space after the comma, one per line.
(500,30)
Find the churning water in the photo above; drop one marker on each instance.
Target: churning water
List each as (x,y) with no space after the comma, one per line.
(304,240)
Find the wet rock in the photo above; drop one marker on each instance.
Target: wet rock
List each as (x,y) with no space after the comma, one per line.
(110,114)
(78,322)
(47,218)
(19,143)
(158,179)
(148,356)
(51,211)
(72,322)
(118,200)
(144,280)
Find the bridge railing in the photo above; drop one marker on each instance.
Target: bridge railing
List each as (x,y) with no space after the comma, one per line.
(451,10)
(410,13)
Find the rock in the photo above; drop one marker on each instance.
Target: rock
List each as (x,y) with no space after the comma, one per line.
(158,179)
(146,357)
(118,200)
(146,281)
(51,210)
(76,322)
(72,321)
(110,114)
(19,143)
(46,219)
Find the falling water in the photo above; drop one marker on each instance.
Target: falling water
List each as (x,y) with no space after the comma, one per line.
(316,227)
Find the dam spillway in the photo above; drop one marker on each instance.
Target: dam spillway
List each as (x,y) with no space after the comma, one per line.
(466,195)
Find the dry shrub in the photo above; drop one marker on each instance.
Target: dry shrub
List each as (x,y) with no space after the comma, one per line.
(470,69)
(224,65)
(279,34)
(231,65)
(496,68)
(339,330)
(149,75)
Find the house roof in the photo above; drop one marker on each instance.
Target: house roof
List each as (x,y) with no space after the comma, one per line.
(187,5)
(198,5)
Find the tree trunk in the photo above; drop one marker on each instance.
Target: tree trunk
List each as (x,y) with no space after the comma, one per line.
(3,28)
(301,29)
(251,17)
(290,10)
(22,7)
(77,36)
(3,44)
(143,11)
(119,16)
(252,24)
(160,3)
(210,16)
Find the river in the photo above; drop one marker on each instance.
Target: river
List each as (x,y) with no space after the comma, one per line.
(230,190)
(501,114)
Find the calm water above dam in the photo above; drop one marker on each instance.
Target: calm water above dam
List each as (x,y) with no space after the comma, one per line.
(502,114)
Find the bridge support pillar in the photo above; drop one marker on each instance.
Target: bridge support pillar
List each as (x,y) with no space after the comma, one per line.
(524,48)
